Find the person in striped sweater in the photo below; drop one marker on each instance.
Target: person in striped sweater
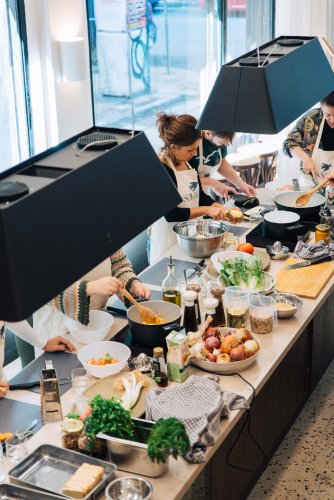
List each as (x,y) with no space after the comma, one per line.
(49,322)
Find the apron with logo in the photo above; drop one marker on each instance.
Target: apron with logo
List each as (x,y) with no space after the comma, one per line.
(205,170)
(162,236)
(323,162)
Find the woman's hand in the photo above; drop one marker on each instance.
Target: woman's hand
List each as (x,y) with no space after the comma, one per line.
(59,344)
(103,286)
(216,211)
(309,168)
(140,290)
(3,388)
(222,189)
(247,189)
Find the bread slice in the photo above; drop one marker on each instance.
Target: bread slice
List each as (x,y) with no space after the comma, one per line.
(85,478)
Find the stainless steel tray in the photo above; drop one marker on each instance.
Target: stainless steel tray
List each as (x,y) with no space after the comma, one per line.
(49,467)
(16,492)
(131,456)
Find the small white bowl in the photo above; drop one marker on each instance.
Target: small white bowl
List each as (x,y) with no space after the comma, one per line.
(98,327)
(119,351)
(219,257)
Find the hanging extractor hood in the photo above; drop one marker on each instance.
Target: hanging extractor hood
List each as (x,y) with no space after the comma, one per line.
(79,206)
(263,92)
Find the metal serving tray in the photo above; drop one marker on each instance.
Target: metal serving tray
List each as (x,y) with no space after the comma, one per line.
(15,492)
(131,456)
(49,467)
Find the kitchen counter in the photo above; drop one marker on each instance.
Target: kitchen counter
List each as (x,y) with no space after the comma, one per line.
(291,362)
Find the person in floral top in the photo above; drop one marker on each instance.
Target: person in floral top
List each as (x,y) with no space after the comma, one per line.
(312,141)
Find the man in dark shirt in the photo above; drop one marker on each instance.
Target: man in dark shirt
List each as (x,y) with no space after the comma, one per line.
(211,158)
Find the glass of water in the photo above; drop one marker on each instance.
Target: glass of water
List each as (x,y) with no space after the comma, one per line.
(81,380)
(16,448)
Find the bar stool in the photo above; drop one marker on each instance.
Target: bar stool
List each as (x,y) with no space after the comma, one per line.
(267,168)
(247,169)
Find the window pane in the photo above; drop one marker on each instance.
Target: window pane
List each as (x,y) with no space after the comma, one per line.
(13,123)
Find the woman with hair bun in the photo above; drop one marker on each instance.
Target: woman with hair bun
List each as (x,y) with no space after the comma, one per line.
(180,142)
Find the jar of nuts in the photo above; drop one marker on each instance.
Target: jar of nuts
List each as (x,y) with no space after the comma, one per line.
(262,313)
(71,430)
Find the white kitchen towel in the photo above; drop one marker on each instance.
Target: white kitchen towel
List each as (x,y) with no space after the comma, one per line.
(199,403)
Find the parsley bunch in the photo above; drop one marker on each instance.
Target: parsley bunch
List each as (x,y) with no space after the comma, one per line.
(109,416)
(168,437)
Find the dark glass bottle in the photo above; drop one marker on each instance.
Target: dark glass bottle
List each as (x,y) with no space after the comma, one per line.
(218,292)
(159,367)
(196,288)
(210,305)
(189,317)
(171,288)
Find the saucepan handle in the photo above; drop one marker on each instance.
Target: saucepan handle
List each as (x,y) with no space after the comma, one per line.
(172,326)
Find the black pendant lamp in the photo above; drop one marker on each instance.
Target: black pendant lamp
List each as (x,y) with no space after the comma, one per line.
(76,208)
(265,90)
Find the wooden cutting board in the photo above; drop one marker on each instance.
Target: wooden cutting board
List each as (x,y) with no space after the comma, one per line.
(304,281)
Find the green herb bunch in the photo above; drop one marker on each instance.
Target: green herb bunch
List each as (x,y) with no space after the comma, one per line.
(109,416)
(168,437)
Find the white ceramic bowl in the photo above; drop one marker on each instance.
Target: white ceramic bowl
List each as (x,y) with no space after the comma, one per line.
(269,284)
(233,366)
(119,351)
(98,327)
(218,257)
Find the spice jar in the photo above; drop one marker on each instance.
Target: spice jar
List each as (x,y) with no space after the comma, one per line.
(196,288)
(322,233)
(218,292)
(71,430)
(210,304)
(262,314)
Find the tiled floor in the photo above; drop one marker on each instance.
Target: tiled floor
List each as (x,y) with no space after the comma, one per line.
(303,466)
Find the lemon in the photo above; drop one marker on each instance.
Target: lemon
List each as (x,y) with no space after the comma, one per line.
(72,425)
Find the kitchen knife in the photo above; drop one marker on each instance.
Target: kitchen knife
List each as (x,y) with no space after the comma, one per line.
(309,262)
(36,383)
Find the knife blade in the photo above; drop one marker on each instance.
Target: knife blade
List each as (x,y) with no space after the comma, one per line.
(36,383)
(309,262)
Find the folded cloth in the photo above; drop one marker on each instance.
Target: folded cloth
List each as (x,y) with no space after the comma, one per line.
(313,250)
(199,403)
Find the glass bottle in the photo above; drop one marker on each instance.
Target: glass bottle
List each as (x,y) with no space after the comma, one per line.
(159,367)
(171,288)
(218,292)
(210,305)
(196,288)
(189,317)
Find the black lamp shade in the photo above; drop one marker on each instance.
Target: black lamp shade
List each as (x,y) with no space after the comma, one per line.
(58,232)
(266,99)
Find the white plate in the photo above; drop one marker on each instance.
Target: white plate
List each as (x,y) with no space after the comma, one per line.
(219,257)
(269,284)
(234,366)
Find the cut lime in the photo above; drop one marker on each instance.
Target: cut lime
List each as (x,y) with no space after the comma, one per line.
(72,425)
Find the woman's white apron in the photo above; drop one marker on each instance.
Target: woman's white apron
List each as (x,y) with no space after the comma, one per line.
(162,236)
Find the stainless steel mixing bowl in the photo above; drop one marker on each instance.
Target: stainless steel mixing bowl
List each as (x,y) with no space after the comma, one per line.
(200,237)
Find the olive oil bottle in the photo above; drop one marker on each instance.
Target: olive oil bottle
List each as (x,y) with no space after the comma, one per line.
(171,288)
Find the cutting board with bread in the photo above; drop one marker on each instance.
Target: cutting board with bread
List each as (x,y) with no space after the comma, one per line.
(305,281)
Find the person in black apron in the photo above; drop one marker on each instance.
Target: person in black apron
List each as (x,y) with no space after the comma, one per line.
(211,158)
(181,141)
(312,141)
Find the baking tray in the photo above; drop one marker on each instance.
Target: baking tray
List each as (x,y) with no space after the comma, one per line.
(16,492)
(49,467)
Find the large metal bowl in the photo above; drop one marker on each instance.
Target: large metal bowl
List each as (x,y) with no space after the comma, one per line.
(200,238)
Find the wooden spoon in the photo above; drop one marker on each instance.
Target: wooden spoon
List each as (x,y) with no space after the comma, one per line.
(303,199)
(146,313)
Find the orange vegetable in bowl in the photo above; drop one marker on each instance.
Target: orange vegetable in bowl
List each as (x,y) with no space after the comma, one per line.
(245,247)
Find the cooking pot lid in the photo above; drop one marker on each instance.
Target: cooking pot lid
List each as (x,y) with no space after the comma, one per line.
(281,217)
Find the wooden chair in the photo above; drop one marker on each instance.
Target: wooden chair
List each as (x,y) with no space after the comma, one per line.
(267,168)
(247,169)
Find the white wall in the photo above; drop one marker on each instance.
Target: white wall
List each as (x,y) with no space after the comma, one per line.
(60,109)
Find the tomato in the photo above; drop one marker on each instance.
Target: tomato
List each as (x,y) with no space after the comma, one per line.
(245,247)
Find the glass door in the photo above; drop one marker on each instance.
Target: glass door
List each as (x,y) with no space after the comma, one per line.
(149,56)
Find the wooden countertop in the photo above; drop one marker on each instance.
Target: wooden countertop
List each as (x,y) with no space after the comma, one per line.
(181,474)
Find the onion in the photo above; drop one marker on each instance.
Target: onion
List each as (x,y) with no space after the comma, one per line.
(212,343)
